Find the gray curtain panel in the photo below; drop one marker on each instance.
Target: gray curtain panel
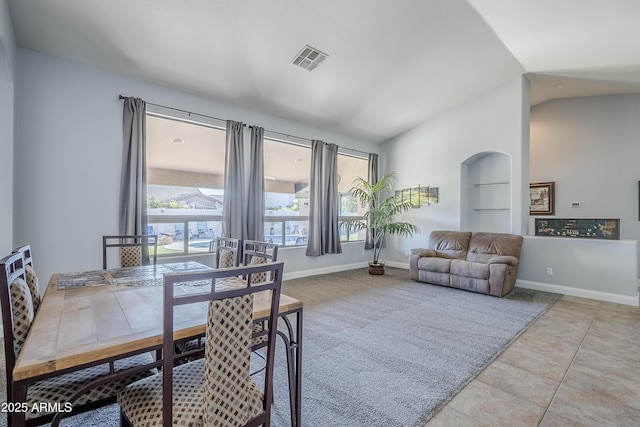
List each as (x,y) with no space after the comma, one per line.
(255,190)
(373,179)
(324,233)
(133,181)
(331,238)
(314,237)
(234,214)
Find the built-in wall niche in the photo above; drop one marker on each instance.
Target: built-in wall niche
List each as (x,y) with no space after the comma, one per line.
(486,198)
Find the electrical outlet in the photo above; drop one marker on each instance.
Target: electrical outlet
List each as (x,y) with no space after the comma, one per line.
(549,271)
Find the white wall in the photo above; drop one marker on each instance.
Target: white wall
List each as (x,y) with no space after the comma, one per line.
(6,167)
(597,269)
(432,154)
(68,157)
(7,65)
(589,147)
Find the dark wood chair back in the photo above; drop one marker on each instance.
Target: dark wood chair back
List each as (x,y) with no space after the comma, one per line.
(228,244)
(26,254)
(32,277)
(256,252)
(256,248)
(134,250)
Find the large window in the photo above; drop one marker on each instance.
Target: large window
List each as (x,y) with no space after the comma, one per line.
(350,167)
(286,187)
(185,186)
(185,177)
(287,171)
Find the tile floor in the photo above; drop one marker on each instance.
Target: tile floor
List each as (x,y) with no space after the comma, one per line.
(578,365)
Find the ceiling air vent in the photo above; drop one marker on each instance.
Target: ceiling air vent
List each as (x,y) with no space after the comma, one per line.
(309,58)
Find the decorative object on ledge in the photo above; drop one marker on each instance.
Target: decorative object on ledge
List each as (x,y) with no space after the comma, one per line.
(542,198)
(418,196)
(608,229)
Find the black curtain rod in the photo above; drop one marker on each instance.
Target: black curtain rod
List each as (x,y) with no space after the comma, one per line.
(183,111)
(307,139)
(252,126)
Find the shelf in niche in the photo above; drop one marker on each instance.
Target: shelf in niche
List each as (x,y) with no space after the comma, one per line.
(487,184)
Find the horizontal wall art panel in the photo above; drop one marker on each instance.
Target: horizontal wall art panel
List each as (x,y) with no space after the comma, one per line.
(608,229)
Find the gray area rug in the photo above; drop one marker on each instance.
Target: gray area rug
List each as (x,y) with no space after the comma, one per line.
(384,350)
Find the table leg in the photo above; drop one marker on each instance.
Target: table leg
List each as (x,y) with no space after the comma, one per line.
(298,371)
(293,344)
(18,395)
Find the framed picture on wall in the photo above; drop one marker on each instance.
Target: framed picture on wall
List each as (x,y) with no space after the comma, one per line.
(542,198)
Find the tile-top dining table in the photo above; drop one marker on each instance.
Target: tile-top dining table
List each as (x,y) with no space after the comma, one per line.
(92,317)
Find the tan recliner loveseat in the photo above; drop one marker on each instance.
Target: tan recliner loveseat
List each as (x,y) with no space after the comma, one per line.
(479,262)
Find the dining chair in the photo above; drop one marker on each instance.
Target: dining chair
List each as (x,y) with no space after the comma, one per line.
(257,252)
(17,317)
(31,276)
(227,252)
(217,389)
(133,249)
(227,256)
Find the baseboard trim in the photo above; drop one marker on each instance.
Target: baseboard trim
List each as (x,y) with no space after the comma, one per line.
(396,264)
(323,270)
(578,292)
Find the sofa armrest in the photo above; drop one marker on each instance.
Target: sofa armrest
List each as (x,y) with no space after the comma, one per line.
(423,252)
(503,259)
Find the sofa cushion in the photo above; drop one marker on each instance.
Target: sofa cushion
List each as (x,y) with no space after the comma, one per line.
(470,284)
(437,265)
(442,279)
(484,246)
(463,268)
(450,244)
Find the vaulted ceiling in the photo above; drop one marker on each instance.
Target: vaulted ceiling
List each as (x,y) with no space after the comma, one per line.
(391,64)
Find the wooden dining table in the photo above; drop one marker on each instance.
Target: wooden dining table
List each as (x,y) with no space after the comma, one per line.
(92,317)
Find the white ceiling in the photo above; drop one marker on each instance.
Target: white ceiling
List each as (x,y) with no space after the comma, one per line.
(392,63)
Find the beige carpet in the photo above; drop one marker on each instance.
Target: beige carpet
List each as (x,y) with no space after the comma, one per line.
(386,351)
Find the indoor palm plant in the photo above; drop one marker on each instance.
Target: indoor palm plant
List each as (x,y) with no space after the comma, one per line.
(380,217)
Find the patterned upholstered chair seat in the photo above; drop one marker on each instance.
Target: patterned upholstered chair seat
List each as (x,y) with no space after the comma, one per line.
(142,401)
(60,389)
